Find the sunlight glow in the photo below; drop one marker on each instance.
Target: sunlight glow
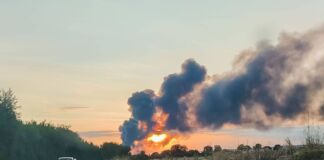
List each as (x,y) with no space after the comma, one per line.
(157,138)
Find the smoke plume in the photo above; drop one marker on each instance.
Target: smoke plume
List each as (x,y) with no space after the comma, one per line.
(145,104)
(269,84)
(176,86)
(277,81)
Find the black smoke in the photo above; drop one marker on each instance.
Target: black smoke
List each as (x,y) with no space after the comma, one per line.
(260,84)
(271,83)
(142,108)
(176,86)
(144,104)
(129,131)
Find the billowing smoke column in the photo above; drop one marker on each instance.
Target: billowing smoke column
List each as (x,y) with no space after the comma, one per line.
(223,101)
(269,84)
(174,87)
(278,83)
(142,108)
(145,104)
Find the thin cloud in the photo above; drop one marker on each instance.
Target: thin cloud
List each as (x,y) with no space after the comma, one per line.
(73,108)
(98,133)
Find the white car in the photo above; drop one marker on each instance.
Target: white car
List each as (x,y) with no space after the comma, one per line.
(67,158)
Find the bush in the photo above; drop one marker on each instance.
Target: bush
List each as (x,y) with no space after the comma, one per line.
(35,141)
(310,154)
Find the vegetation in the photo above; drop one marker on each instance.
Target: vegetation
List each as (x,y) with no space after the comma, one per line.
(44,141)
(313,149)
(111,150)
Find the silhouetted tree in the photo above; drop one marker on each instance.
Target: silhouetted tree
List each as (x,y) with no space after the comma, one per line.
(217,148)
(192,153)
(290,147)
(208,150)
(241,147)
(257,147)
(155,155)
(277,147)
(8,122)
(267,148)
(140,156)
(247,147)
(165,153)
(178,150)
(33,141)
(110,150)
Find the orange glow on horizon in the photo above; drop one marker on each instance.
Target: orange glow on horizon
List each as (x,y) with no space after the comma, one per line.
(157,138)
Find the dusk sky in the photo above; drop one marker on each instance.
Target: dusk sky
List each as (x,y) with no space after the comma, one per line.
(77,62)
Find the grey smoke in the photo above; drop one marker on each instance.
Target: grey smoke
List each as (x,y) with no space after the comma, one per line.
(176,86)
(129,132)
(144,104)
(271,83)
(262,84)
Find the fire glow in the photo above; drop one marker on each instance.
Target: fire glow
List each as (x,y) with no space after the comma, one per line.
(157,138)
(268,85)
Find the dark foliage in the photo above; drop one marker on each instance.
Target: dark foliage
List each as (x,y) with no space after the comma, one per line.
(44,141)
(155,155)
(217,148)
(178,150)
(140,156)
(277,147)
(208,150)
(243,147)
(310,154)
(166,153)
(193,153)
(110,150)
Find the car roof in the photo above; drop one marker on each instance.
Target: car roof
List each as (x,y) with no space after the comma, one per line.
(65,157)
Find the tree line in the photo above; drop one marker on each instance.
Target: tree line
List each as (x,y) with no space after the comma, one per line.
(43,141)
(177,151)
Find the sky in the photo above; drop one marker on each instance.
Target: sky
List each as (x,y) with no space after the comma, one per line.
(77,62)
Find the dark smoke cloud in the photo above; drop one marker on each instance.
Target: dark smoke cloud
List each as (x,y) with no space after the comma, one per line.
(176,86)
(129,132)
(143,104)
(269,84)
(142,108)
(260,84)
